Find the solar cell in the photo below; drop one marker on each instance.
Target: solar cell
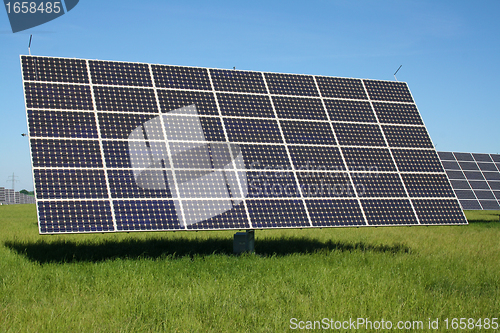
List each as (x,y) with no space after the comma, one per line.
(342,110)
(395,113)
(120,146)
(470,204)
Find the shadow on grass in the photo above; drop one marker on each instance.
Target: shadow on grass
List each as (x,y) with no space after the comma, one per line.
(65,251)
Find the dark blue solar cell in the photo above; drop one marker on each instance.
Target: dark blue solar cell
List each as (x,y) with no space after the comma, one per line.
(468,165)
(238,81)
(450,165)
(272,184)
(439,212)
(181,77)
(359,134)
(70,184)
(465,194)
(212,129)
(489,204)
(470,204)
(341,87)
(388,91)
(120,73)
(121,125)
(252,130)
(299,108)
(74,216)
(300,132)
(325,213)
(397,113)
(446,156)
(54,69)
(235,218)
(317,184)
(66,153)
(378,185)
(277,213)
(146,183)
(271,157)
(407,136)
(242,105)
(455,174)
(427,185)
(58,96)
(414,160)
(368,159)
(340,110)
(122,99)
(316,158)
(54,124)
(388,212)
(145,215)
(171,100)
(291,84)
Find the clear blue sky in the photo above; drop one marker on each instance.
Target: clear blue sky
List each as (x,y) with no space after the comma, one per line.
(450,52)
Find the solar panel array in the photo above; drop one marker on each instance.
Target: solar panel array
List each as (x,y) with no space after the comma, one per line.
(129,146)
(475,178)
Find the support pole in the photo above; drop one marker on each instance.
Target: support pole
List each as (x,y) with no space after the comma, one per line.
(244,242)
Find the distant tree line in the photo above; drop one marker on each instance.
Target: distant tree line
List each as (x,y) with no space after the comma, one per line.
(32,193)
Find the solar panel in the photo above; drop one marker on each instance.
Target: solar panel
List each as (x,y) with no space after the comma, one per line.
(475,178)
(119,146)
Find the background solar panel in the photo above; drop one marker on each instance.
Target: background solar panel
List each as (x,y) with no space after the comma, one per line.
(129,147)
(475,179)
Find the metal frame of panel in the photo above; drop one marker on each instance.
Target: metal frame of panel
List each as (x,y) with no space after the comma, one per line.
(475,178)
(119,146)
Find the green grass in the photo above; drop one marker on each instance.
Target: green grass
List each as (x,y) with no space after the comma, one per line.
(191,282)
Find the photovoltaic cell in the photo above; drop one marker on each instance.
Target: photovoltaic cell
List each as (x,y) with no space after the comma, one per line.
(125,99)
(55,70)
(181,77)
(120,146)
(309,132)
(341,110)
(396,113)
(238,81)
(120,73)
(174,99)
(241,105)
(54,124)
(412,137)
(337,87)
(359,134)
(57,96)
(291,84)
(388,91)
(299,108)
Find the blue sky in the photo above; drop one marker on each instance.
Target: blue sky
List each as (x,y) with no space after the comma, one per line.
(449,51)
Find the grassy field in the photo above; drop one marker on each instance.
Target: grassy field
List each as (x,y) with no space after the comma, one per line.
(191,282)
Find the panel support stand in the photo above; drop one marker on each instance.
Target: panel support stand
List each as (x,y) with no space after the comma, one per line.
(244,242)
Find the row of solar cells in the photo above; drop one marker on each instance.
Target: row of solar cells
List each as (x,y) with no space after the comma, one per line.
(118,99)
(135,74)
(86,154)
(81,216)
(475,178)
(54,124)
(91,183)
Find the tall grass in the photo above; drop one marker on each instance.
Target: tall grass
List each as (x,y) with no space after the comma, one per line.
(191,282)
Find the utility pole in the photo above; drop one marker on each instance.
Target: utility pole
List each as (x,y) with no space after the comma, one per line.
(13,180)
